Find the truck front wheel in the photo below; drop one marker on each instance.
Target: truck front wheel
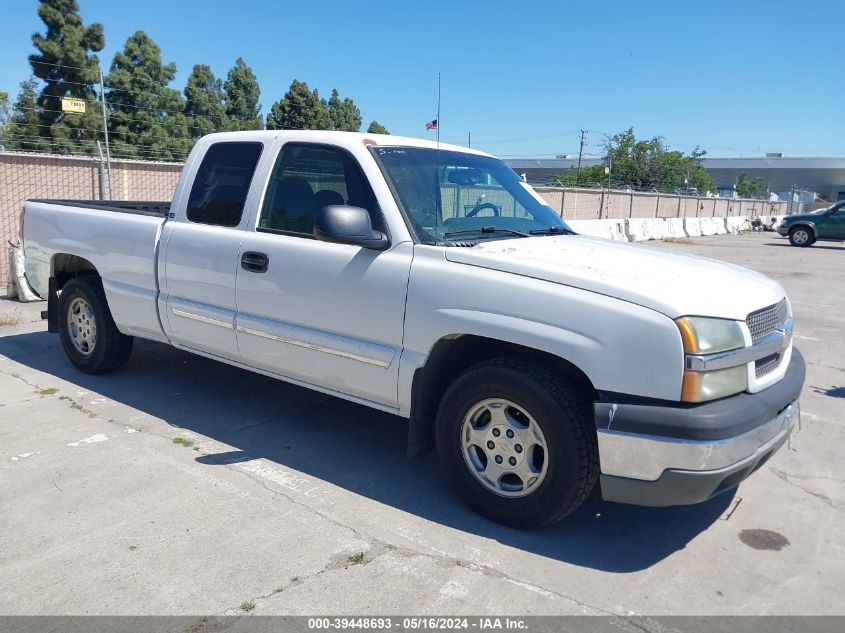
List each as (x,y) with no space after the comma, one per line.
(801,236)
(89,335)
(517,443)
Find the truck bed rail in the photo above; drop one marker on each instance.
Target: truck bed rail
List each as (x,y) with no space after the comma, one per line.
(141,207)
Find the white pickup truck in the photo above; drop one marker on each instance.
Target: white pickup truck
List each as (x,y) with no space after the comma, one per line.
(431,282)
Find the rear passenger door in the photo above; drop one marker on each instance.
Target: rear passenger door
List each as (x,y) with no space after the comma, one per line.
(197,302)
(330,315)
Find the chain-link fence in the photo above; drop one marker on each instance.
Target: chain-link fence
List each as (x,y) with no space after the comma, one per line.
(27,176)
(596,204)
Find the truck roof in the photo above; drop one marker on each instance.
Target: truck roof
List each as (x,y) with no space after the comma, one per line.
(343,139)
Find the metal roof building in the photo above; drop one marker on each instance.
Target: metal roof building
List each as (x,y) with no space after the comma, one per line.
(825,176)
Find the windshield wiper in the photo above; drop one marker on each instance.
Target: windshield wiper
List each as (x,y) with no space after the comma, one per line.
(487,229)
(553,230)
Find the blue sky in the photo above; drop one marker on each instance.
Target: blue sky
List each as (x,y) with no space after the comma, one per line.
(737,78)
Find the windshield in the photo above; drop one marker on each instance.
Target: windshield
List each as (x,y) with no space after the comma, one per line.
(450,196)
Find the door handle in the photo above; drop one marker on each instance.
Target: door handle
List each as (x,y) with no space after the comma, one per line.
(255,262)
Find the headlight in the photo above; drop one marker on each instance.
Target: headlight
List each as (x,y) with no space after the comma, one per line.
(703,335)
(708,336)
(700,386)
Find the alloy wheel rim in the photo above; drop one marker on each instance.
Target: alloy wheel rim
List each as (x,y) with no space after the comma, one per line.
(504,448)
(801,236)
(82,326)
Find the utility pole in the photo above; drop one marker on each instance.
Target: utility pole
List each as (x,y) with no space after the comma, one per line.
(580,154)
(105,127)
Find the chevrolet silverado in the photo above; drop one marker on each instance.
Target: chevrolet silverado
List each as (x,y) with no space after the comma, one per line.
(429,281)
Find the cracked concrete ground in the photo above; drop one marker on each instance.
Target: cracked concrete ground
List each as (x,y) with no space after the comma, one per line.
(278,500)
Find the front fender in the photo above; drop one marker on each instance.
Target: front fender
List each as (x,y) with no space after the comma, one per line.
(810,225)
(620,346)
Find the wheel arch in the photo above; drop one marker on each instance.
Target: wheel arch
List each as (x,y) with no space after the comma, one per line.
(453,354)
(63,268)
(66,266)
(805,224)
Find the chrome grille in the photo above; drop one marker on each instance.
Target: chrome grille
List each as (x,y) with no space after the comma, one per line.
(763,322)
(763,366)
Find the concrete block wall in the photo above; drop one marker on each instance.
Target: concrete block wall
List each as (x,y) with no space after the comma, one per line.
(644,229)
(598,204)
(637,216)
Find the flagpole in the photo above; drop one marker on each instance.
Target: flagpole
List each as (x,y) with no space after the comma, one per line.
(438,110)
(439,211)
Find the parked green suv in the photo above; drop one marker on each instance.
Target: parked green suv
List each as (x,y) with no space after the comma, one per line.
(824,224)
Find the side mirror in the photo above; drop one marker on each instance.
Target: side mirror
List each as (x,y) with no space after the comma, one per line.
(348,225)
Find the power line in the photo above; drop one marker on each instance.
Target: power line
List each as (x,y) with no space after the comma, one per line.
(42,141)
(36,61)
(95,87)
(92,156)
(525,138)
(116,106)
(110,89)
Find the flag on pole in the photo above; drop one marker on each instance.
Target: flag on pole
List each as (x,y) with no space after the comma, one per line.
(431,125)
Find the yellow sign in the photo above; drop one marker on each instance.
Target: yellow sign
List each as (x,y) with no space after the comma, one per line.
(70,104)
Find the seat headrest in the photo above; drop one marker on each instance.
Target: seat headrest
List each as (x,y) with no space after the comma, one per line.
(327,197)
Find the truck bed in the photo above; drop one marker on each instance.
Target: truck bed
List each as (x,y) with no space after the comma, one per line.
(141,207)
(119,239)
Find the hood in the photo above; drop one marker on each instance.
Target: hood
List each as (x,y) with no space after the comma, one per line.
(675,285)
(804,217)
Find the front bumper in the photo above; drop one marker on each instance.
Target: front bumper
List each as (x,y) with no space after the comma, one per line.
(783,230)
(659,454)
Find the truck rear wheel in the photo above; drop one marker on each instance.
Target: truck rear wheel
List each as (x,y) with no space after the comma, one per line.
(89,335)
(518,444)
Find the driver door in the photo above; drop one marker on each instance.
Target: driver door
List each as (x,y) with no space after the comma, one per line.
(330,315)
(834,224)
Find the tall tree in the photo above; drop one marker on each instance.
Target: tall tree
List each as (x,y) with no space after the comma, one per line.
(241,98)
(147,118)
(747,187)
(376,128)
(5,117)
(5,108)
(204,103)
(646,163)
(643,164)
(587,176)
(66,64)
(344,113)
(301,109)
(21,131)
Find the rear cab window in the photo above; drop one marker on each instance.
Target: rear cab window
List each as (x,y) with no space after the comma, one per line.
(222,183)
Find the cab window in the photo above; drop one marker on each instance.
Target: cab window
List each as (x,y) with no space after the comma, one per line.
(307,178)
(222,183)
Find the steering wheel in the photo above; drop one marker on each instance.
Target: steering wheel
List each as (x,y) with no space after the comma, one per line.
(481,207)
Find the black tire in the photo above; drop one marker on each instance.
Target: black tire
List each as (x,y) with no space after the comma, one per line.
(110,349)
(801,236)
(564,414)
